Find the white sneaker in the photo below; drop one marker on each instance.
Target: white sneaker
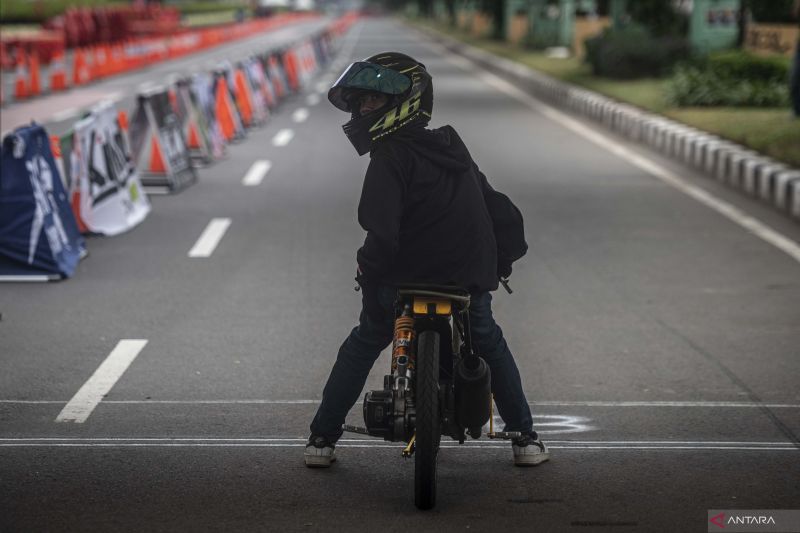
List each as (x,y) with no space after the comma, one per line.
(319,452)
(529,450)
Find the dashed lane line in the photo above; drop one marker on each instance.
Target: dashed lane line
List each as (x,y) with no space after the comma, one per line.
(256,173)
(300,114)
(312,99)
(283,137)
(210,237)
(86,399)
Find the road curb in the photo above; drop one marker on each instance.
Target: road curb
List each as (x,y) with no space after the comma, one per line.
(734,165)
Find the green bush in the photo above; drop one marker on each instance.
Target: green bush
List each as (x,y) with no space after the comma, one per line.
(771,10)
(731,79)
(634,53)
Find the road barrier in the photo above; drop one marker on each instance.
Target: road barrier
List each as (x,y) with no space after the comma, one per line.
(253,79)
(227,113)
(260,81)
(98,186)
(158,146)
(198,124)
(108,59)
(104,188)
(38,233)
(277,76)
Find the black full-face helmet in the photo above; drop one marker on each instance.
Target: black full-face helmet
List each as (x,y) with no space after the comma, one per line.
(402,79)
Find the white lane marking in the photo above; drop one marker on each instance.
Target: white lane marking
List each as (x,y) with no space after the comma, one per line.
(25,278)
(313,99)
(366,443)
(666,404)
(703,405)
(555,424)
(210,238)
(468,443)
(729,211)
(323,86)
(64,114)
(156,190)
(300,114)
(86,399)
(283,137)
(346,52)
(256,173)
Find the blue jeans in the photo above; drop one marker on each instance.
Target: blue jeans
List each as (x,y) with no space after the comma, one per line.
(365,343)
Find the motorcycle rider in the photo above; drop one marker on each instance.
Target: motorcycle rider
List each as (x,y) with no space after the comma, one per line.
(431,217)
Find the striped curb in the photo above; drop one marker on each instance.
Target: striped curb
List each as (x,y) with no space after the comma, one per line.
(729,163)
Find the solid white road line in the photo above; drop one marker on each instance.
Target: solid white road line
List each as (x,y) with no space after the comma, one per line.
(256,173)
(283,137)
(210,238)
(720,206)
(702,405)
(312,99)
(293,442)
(27,278)
(64,114)
(86,399)
(300,114)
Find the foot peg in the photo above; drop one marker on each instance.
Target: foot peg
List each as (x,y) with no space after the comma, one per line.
(355,429)
(504,435)
(412,446)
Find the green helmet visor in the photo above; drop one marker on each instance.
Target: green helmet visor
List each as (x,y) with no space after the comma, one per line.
(362,76)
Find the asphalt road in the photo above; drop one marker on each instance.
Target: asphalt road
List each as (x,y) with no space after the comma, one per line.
(658,343)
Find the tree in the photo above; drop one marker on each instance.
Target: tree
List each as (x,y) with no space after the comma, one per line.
(659,16)
(497,10)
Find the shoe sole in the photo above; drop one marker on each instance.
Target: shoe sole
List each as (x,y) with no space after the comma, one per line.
(532,461)
(315,461)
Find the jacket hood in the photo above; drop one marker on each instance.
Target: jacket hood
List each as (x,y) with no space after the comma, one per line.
(442,146)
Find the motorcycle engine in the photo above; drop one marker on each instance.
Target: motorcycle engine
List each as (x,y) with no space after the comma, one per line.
(389,413)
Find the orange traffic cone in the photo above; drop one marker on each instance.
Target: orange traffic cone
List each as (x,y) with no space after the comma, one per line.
(156,159)
(100,65)
(58,72)
(122,118)
(243,97)
(55,148)
(80,70)
(21,81)
(35,86)
(223,110)
(291,70)
(193,140)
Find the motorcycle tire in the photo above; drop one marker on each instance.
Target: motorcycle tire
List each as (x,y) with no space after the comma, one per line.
(428,420)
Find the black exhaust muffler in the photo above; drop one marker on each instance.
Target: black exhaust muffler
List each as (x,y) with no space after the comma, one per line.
(473,384)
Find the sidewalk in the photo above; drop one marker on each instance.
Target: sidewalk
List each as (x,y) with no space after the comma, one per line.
(736,166)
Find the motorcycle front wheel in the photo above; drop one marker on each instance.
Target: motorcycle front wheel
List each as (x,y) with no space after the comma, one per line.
(428,421)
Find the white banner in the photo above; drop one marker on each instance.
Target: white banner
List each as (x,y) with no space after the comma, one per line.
(105,191)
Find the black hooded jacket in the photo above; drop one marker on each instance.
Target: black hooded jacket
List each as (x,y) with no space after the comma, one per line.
(424,207)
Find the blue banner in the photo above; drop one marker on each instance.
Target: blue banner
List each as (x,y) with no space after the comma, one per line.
(38,232)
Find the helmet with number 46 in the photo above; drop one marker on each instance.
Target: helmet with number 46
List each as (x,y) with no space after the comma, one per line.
(409,97)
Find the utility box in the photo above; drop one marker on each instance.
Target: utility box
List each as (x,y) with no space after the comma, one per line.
(551,23)
(714,24)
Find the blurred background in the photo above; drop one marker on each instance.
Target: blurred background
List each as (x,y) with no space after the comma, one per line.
(724,66)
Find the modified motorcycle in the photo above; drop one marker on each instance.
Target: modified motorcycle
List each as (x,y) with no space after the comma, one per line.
(437,385)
